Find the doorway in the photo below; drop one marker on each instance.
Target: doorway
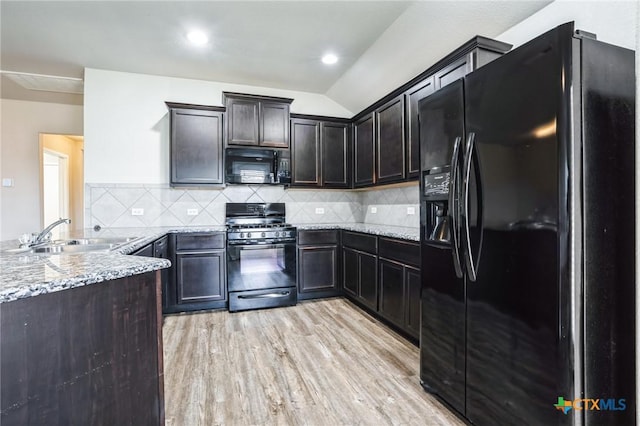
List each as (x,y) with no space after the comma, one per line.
(62,181)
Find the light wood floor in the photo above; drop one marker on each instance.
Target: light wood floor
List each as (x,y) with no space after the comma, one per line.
(318,363)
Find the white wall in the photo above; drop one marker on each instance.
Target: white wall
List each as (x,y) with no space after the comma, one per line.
(22,122)
(409,46)
(127,124)
(614,22)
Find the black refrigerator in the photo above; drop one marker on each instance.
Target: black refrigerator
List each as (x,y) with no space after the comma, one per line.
(528,236)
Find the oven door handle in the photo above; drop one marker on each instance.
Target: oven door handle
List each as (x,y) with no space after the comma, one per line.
(260,246)
(275,295)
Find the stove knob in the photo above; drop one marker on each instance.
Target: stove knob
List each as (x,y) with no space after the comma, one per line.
(277,233)
(264,235)
(248,234)
(242,235)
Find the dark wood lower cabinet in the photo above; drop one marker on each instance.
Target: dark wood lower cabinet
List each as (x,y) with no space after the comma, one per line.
(318,272)
(412,307)
(369,280)
(400,295)
(161,251)
(381,274)
(200,277)
(392,291)
(318,264)
(198,280)
(87,355)
(361,277)
(351,272)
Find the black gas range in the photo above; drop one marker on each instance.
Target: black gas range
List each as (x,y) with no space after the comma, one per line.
(261,256)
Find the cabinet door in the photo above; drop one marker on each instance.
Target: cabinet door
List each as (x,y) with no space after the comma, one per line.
(274,124)
(200,276)
(390,141)
(368,280)
(243,122)
(412,301)
(454,71)
(317,270)
(364,152)
(335,155)
(413,96)
(196,147)
(305,144)
(392,291)
(350,271)
(161,251)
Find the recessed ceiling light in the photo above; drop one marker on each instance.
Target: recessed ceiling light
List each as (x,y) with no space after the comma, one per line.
(329,59)
(197,37)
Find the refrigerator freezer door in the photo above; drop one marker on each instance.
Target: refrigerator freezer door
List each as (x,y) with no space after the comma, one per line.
(515,353)
(442,340)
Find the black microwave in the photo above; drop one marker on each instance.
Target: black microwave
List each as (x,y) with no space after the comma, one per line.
(258,166)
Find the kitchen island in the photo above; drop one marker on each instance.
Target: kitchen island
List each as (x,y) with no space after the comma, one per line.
(81,337)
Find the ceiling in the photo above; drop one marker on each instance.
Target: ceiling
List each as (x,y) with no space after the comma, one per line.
(263,43)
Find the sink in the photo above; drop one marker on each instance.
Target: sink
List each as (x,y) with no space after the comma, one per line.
(75,245)
(57,249)
(114,241)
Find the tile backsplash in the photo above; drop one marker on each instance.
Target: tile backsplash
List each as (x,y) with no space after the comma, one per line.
(392,206)
(110,205)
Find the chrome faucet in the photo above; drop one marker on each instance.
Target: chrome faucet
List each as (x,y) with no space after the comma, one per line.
(41,236)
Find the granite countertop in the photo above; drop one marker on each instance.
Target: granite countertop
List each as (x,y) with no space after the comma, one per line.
(402,232)
(25,275)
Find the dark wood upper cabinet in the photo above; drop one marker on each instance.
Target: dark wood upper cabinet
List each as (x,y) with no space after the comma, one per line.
(391,120)
(243,122)
(412,96)
(454,71)
(274,124)
(364,152)
(390,141)
(257,120)
(336,154)
(196,145)
(320,152)
(305,147)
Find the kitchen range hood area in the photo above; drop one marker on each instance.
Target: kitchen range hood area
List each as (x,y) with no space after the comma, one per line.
(482,212)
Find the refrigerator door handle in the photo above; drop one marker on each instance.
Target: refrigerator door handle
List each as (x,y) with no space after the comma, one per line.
(466,175)
(454,212)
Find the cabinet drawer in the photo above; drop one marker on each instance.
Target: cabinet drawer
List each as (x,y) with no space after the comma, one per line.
(198,241)
(358,241)
(406,252)
(318,237)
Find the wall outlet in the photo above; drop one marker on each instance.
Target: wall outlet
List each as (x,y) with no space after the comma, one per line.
(319,210)
(411,210)
(192,212)
(137,212)
(7,182)
(374,210)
